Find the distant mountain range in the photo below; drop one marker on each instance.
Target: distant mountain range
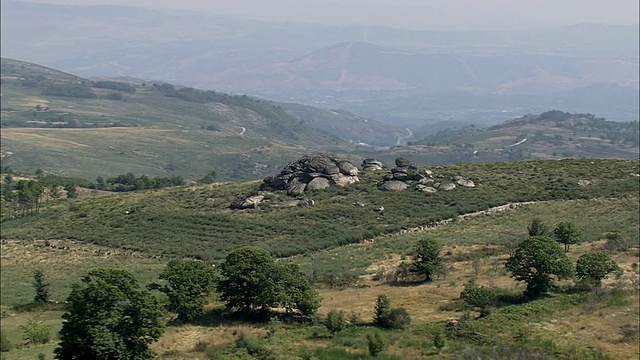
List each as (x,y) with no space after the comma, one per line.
(408,78)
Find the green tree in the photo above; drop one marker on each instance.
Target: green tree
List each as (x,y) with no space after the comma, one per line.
(595,266)
(251,279)
(188,284)
(538,228)
(335,321)
(72,191)
(535,260)
(296,290)
(383,306)
(427,260)
(247,282)
(376,343)
(109,317)
(566,233)
(41,286)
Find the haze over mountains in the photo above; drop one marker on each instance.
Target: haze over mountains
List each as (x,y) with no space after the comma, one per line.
(408,78)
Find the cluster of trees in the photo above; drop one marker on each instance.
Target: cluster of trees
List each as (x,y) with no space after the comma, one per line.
(540,257)
(24,197)
(110,316)
(129,182)
(115,85)
(70,90)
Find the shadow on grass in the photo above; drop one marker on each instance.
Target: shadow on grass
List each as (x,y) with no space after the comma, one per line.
(49,306)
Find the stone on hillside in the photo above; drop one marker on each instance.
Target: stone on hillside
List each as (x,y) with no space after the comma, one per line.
(456,178)
(393,185)
(465,183)
(425,188)
(347,168)
(250,202)
(428,173)
(405,163)
(371,164)
(584,183)
(344,180)
(446,185)
(318,183)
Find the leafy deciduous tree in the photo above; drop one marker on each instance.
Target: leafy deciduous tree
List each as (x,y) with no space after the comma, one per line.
(595,266)
(251,279)
(535,260)
(566,233)
(427,260)
(188,284)
(109,317)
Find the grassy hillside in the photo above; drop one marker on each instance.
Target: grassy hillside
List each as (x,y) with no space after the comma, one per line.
(553,134)
(68,125)
(564,324)
(197,221)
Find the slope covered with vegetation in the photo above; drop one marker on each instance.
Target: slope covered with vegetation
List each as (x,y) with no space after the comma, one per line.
(198,220)
(64,124)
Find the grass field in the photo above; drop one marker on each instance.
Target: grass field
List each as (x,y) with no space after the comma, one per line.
(563,323)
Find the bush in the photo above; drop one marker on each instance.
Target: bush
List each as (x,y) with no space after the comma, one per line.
(439,340)
(335,321)
(376,343)
(36,332)
(396,318)
(615,242)
(5,344)
(477,296)
(253,347)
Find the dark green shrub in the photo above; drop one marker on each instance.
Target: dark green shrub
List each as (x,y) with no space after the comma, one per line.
(335,321)
(396,318)
(376,343)
(5,344)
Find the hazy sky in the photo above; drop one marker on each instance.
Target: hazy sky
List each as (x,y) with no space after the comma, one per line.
(419,14)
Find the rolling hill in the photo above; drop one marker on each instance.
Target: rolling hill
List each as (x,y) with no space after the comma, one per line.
(549,135)
(65,124)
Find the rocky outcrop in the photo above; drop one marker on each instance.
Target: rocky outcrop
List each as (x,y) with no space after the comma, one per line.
(446,186)
(312,172)
(370,164)
(401,176)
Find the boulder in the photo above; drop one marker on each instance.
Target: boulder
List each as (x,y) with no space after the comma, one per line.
(425,188)
(392,185)
(405,163)
(347,168)
(318,183)
(465,183)
(371,164)
(584,183)
(344,180)
(446,185)
(249,202)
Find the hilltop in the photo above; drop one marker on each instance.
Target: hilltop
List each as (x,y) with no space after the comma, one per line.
(549,135)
